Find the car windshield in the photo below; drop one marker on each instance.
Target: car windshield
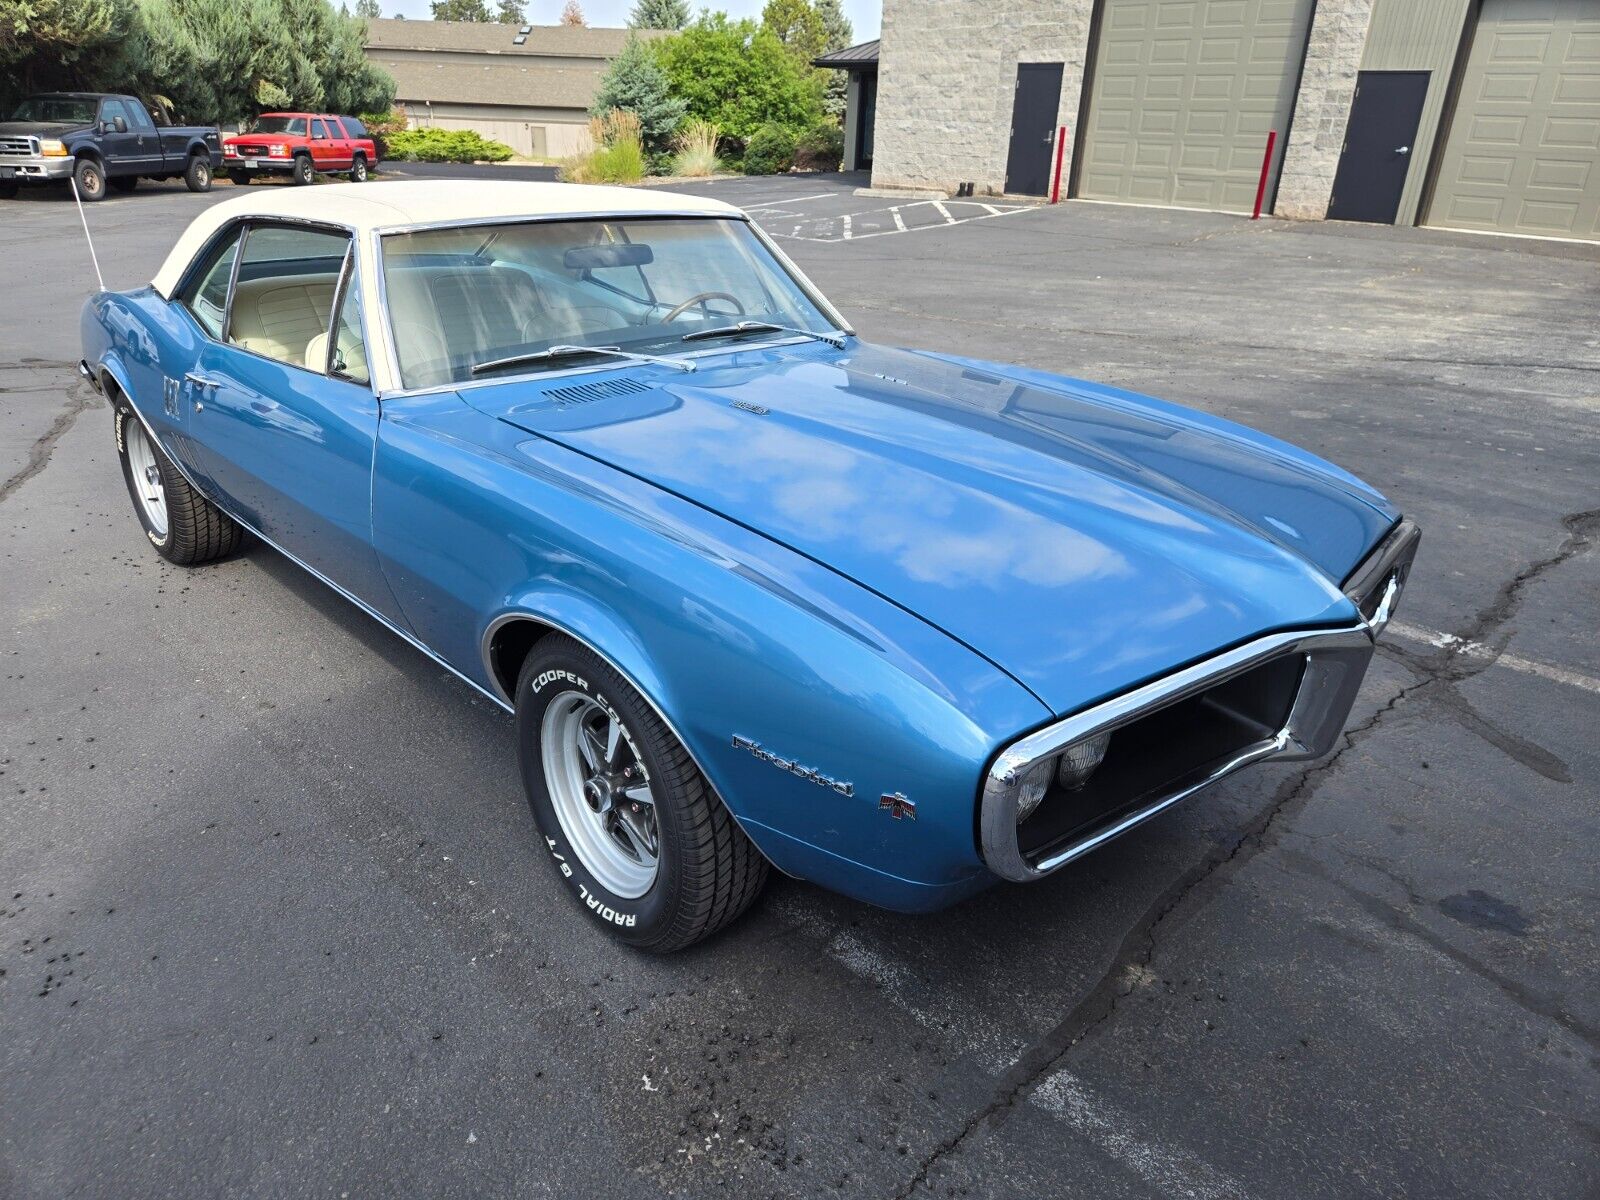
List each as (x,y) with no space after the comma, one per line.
(279,125)
(62,110)
(469,296)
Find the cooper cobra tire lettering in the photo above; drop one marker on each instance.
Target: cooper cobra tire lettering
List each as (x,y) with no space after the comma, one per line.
(559,676)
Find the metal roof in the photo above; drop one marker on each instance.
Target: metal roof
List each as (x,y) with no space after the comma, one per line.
(851,58)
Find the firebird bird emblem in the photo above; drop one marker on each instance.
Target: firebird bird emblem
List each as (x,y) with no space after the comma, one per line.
(794,768)
(897,806)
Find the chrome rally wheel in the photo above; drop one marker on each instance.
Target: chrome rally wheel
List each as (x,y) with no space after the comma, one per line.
(144,480)
(633,829)
(601,793)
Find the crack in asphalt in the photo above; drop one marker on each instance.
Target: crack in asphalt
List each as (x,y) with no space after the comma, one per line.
(79,399)
(1138,946)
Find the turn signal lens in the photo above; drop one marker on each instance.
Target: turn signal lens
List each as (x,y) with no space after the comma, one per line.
(51,148)
(279,151)
(1081,759)
(1031,789)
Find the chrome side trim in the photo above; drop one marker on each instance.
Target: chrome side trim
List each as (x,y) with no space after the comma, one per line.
(309,569)
(1335,663)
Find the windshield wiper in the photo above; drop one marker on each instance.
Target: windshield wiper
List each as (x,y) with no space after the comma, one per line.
(559,352)
(836,340)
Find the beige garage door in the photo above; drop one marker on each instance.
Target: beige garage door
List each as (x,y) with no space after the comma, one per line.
(1184,93)
(1523,155)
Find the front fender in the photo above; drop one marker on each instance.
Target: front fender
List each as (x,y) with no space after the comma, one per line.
(739,643)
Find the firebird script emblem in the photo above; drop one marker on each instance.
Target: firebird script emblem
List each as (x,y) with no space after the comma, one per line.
(794,768)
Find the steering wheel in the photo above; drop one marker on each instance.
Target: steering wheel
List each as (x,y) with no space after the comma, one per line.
(700,298)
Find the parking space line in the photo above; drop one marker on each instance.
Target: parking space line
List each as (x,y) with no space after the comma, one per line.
(944,212)
(1514,662)
(1171,1171)
(899,221)
(776,204)
(845,227)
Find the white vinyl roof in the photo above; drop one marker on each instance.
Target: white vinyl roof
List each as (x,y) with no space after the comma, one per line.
(374,207)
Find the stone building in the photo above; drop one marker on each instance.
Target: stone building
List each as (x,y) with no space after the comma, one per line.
(528,86)
(1470,114)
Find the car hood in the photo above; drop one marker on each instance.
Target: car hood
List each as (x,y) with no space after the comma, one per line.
(42,129)
(1081,538)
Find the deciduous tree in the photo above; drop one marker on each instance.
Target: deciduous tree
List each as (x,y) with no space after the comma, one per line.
(740,77)
(572,14)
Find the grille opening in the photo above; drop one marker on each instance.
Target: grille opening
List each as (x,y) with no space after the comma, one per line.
(1165,750)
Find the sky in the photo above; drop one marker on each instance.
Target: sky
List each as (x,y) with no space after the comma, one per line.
(864,14)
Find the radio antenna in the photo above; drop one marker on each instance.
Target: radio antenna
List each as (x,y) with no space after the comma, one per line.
(93,257)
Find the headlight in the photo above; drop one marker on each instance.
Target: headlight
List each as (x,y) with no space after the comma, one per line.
(1032,787)
(51,148)
(1081,759)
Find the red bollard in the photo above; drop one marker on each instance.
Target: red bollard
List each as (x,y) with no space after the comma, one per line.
(1061,152)
(1266,165)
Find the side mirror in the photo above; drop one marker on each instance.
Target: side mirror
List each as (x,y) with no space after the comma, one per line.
(116,124)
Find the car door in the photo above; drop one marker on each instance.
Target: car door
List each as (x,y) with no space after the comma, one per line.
(120,142)
(324,150)
(284,419)
(152,154)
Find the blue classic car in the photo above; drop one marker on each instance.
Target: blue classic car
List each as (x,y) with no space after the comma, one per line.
(758,593)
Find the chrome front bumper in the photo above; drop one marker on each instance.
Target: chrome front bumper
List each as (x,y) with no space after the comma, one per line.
(1334,662)
(38,169)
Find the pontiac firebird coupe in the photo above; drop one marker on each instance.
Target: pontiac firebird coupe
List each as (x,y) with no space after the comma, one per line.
(898,622)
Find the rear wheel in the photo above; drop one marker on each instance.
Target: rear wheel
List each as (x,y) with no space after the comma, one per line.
(183,526)
(197,175)
(358,169)
(91,180)
(637,834)
(304,172)
(125,184)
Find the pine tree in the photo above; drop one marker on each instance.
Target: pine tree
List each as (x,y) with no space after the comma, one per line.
(511,12)
(460,10)
(369,10)
(636,83)
(659,14)
(838,34)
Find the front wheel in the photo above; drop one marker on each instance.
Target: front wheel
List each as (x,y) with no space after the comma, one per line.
(304,172)
(91,180)
(643,843)
(183,526)
(9,189)
(242,178)
(197,175)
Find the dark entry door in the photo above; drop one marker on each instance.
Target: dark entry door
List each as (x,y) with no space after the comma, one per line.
(1379,144)
(1033,128)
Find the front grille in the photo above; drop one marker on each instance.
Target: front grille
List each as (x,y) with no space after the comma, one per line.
(1163,750)
(251,151)
(19,147)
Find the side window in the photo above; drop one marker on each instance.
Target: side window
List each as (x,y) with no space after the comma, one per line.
(207,294)
(349,341)
(354,127)
(283,301)
(110,110)
(319,131)
(140,119)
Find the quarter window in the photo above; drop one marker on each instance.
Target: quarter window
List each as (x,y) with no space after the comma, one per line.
(283,300)
(349,360)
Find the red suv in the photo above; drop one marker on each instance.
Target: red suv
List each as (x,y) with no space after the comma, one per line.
(300,145)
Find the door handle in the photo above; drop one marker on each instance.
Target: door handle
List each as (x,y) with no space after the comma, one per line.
(201,381)
(1403,150)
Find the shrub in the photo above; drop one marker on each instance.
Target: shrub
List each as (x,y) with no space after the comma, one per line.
(770,151)
(695,149)
(618,153)
(739,76)
(820,148)
(445,145)
(384,125)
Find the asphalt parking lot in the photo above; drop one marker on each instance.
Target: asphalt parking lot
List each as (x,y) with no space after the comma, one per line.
(271,922)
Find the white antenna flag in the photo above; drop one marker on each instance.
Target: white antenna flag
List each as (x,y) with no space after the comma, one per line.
(93,257)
